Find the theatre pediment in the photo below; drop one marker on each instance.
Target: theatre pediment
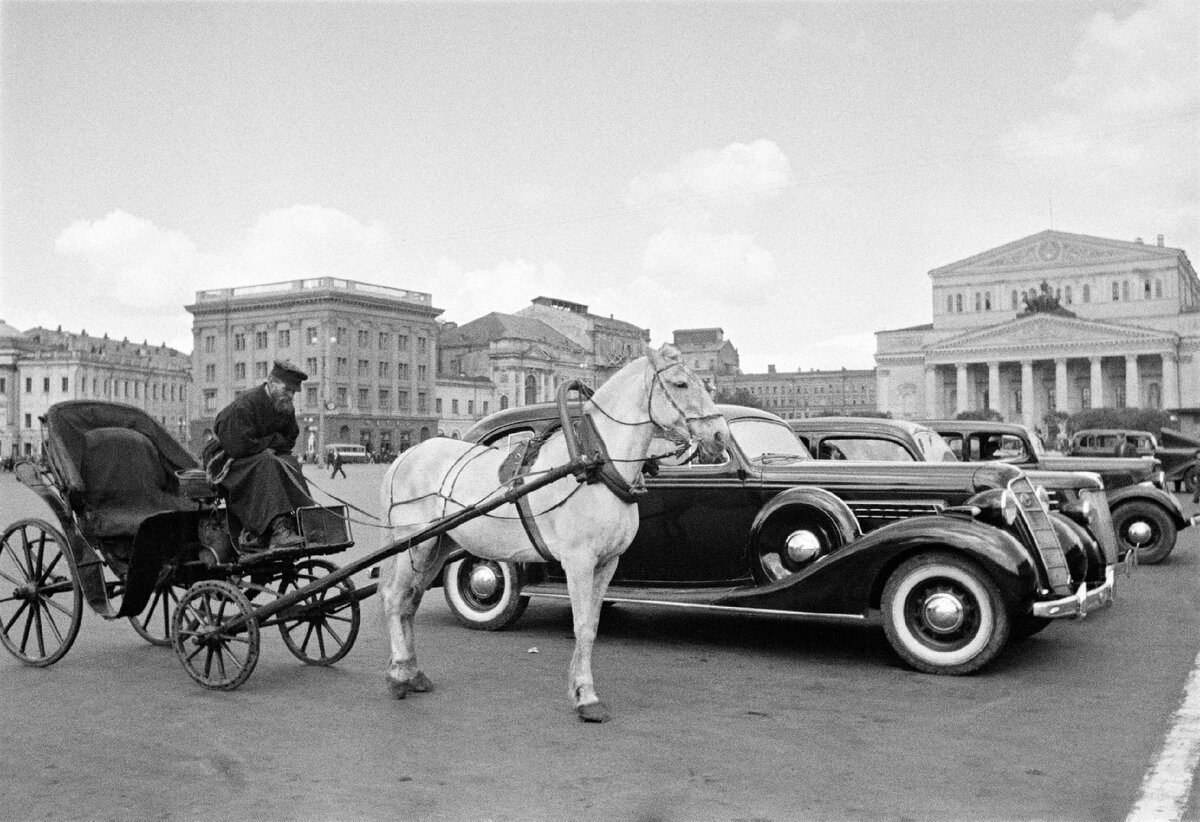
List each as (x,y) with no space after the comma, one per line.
(1046,333)
(1054,249)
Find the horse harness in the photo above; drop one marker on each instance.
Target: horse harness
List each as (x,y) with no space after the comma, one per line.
(582,437)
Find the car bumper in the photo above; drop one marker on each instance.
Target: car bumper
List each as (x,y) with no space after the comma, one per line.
(1084,599)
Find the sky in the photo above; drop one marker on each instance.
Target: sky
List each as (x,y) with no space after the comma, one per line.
(787,172)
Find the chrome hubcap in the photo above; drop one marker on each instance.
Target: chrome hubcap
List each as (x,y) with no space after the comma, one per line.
(1139,532)
(802,546)
(484,581)
(943,612)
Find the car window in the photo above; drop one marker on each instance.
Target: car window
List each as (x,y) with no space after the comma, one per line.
(858,449)
(955,443)
(689,457)
(763,439)
(934,447)
(507,438)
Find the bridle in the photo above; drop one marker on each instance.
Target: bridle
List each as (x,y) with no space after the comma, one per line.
(658,381)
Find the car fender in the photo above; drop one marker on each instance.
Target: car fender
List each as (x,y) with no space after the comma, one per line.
(809,498)
(850,580)
(1155,496)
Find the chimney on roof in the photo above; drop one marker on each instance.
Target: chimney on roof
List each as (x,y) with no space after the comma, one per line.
(1137,240)
(770,369)
(1160,240)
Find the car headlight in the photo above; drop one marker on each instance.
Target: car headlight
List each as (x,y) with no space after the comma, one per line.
(1010,509)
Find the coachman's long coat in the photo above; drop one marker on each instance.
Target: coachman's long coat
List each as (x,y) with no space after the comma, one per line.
(263,479)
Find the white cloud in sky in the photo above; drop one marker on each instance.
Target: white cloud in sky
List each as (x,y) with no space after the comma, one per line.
(730,268)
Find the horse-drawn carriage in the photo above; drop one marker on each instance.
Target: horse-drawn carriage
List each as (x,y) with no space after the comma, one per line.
(143,535)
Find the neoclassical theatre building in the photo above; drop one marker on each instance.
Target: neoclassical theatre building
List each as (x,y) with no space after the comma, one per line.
(1051,322)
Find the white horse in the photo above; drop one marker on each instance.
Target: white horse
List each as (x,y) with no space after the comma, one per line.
(586,527)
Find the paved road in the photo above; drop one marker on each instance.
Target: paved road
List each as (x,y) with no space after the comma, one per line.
(715,718)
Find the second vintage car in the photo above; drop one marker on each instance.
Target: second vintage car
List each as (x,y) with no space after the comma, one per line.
(770,530)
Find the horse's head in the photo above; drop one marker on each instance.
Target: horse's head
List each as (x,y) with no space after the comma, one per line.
(680,405)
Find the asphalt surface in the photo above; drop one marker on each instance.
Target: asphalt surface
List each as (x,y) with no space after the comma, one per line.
(714,718)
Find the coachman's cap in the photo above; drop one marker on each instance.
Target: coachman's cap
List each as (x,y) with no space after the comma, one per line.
(288,374)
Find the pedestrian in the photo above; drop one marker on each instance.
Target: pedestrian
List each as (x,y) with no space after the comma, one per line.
(337,465)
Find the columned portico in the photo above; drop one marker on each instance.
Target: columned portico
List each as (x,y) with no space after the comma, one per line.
(1170,380)
(1061,398)
(1132,384)
(1097,382)
(994,384)
(962,401)
(931,392)
(1027,398)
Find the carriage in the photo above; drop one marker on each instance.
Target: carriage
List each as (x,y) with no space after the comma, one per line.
(142,535)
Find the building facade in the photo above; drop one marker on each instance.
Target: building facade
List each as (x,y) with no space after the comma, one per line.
(1052,322)
(707,353)
(41,367)
(370,352)
(461,402)
(610,343)
(799,394)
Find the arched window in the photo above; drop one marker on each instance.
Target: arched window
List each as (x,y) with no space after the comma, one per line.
(1014,299)
(1067,294)
(1116,294)
(503,401)
(1087,293)
(531,389)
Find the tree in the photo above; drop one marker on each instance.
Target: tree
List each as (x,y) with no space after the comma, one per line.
(738,396)
(1137,419)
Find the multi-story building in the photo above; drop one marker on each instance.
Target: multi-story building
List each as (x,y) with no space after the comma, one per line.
(1054,322)
(461,402)
(708,353)
(525,358)
(610,342)
(40,367)
(370,352)
(798,394)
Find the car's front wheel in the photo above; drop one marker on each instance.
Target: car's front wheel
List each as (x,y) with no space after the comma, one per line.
(943,615)
(483,594)
(1146,528)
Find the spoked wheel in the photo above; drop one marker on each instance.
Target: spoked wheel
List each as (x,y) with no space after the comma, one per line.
(154,623)
(41,607)
(328,625)
(216,656)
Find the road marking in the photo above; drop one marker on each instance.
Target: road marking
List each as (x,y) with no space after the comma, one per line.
(1167,785)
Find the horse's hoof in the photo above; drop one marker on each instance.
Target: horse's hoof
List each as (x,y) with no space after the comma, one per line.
(399,689)
(592,712)
(420,683)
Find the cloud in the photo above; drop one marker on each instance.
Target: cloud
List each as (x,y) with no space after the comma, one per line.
(845,350)
(710,266)
(706,181)
(506,287)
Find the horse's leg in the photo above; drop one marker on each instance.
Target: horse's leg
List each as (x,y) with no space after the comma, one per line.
(587,585)
(402,583)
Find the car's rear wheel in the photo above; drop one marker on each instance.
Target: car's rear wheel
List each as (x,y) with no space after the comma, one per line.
(483,594)
(944,615)
(1146,528)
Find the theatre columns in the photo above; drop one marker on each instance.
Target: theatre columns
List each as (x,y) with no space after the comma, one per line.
(994,398)
(962,400)
(1097,382)
(1170,380)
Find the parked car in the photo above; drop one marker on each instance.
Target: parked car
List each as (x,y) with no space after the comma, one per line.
(1175,450)
(349,452)
(1147,518)
(771,530)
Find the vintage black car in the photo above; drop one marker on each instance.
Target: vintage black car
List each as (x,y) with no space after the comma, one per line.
(1177,452)
(1146,516)
(953,563)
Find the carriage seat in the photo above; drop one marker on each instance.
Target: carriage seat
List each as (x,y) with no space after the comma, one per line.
(124,482)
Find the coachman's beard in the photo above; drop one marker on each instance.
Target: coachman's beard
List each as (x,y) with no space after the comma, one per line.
(284,404)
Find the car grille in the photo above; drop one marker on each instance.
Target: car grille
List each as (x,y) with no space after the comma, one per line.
(1101,524)
(1037,520)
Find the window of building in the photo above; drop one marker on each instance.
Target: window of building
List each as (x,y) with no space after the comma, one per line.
(454,407)
(383,370)
(283,338)
(29,385)
(385,340)
(364,368)
(4,385)
(402,341)
(239,371)
(958,303)
(210,344)
(485,407)
(503,401)
(1087,293)
(363,398)
(471,407)
(422,403)
(260,370)
(210,399)
(341,396)
(402,372)
(66,384)
(1014,299)
(239,342)
(342,366)
(987,301)
(437,406)
(1125,291)
(385,399)
(1158,289)
(1116,291)
(421,345)
(260,340)
(339,335)
(310,395)
(1016,400)
(311,333)
(402,400)
(421,373)
(29,420)
(210,373)
(45,385)
(364,338)
(1067,295)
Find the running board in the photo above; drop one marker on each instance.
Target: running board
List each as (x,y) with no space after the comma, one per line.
(684,600)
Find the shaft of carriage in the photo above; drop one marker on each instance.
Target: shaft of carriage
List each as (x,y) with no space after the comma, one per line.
(577,466)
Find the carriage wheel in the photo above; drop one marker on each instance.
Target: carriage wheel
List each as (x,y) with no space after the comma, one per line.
(327,633)
(217,657)
(41,607)
(154,623)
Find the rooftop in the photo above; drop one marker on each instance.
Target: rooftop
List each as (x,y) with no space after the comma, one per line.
(314,284)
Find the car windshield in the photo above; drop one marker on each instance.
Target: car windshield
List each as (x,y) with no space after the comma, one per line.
(766,440)
(1035,442)
(933,447)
